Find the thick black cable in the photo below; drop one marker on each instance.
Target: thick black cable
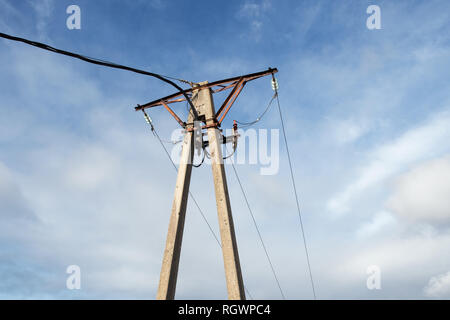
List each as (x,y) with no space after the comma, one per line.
(101,63)
(201,162)
(296,195)
(257,230)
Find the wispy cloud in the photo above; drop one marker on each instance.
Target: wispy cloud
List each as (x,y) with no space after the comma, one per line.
(9,11)
(43,10)
(254,13)
(417,144)
(382,221)
(439,286)
(422,194)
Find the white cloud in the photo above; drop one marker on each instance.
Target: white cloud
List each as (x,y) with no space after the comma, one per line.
(8,10)
(381,221)
(252,9)
(13,205)
(91,167)
(439,286)
(422,142)
(423,193)
(254,12)
(399,257)
(155,4)
(43,9)
(349,130)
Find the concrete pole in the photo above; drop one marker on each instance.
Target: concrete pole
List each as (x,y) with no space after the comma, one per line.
(203,102)
(169,269)
(233,274)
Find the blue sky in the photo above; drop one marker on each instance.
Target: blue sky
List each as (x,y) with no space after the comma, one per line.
(82,181)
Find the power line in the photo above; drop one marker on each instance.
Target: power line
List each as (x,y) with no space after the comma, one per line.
(103,63)
(275,86)
(257,230)
(248,124)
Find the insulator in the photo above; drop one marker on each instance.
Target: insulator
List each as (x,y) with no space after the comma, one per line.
(148,119)
(274,84)
(235,134)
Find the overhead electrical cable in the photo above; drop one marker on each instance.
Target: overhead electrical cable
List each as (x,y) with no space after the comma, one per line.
(275,88)
(105,64)
(257,230)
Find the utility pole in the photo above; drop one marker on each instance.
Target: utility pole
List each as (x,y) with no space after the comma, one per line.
(171,259)
(202,100)
(233,274)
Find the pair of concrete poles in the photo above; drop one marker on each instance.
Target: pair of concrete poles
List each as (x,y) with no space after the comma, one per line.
(204,105)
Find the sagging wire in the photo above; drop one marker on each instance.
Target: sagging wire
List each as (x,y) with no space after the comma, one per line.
(235,138)
(105,64)
(230,155)
(203,159)
(249,124)
(274,273)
